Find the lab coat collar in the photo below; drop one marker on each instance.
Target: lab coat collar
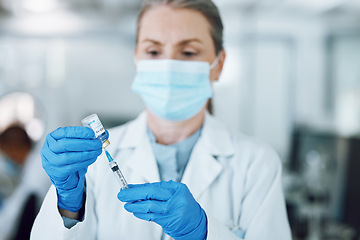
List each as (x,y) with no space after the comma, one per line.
(134,132)
(216,137)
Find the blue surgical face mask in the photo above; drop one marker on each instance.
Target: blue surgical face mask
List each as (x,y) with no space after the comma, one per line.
(174,90)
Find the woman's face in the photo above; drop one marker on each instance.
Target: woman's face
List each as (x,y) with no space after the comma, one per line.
(182,34)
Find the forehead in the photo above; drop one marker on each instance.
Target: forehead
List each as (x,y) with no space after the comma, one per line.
(166,24)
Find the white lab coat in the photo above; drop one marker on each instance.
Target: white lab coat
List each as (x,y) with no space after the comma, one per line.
(236,180)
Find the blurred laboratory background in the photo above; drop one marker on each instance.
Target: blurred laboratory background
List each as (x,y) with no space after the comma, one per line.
(291,78)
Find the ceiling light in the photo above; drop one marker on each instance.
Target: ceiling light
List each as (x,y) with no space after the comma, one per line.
(40,6)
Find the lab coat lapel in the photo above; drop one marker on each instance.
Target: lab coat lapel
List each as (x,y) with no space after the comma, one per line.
(142,161)
(203,167)
(201,171)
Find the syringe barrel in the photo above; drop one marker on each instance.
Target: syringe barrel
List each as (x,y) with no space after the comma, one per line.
(119,176)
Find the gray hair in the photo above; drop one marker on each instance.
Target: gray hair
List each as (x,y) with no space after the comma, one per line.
(205,7)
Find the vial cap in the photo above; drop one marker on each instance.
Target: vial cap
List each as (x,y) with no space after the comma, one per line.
(106,143)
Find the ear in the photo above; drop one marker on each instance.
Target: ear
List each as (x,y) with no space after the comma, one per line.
(218,69)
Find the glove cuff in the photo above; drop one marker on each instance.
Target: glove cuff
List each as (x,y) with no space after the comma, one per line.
(71,200)
(199,233)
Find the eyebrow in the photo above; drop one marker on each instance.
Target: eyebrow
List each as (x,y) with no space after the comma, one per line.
(181,43)
(152,41)
(184,42)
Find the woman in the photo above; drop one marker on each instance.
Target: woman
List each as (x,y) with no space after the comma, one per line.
(230,184)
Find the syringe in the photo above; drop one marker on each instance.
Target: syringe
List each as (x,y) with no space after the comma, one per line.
(116,170)
(94,123)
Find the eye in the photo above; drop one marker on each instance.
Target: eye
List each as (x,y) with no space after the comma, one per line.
(189,54)
(153,53)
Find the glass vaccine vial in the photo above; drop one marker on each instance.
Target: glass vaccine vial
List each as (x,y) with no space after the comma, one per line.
(94,123)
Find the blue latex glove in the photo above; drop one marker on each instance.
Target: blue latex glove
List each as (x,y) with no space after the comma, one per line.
(66,155)
(169,204)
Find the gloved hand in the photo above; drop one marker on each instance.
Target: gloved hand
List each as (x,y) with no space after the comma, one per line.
(169,204)
(66,154)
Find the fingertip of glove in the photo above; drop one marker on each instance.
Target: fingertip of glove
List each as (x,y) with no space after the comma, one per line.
(120,195)
(127,207)
(124,194)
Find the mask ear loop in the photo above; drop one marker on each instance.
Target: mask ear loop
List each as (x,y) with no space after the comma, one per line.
(215,62)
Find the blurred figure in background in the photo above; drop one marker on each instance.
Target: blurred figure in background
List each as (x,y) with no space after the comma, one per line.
(22,183)
(15,146)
